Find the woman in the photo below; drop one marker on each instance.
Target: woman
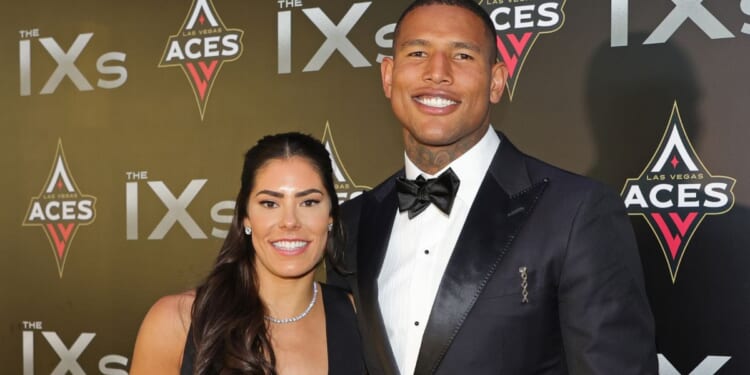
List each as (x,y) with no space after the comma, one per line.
(260,311)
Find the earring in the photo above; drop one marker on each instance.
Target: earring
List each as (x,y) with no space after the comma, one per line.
(330,227)
(248,231)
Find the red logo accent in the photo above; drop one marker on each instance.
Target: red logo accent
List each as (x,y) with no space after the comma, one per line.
(65,231)
(201,83)
(511,58)
(674,240)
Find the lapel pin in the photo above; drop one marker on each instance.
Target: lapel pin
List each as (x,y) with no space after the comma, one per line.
(524,284)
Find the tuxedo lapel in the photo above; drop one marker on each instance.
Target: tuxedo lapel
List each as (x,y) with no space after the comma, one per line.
(374,233)
(500,209)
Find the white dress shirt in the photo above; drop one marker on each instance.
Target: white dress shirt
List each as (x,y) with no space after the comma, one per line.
(419,250)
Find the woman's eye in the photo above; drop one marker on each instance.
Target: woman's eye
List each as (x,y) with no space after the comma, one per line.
(268,204)
(310,202)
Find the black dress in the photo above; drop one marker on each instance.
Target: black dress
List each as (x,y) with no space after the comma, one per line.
(344,345)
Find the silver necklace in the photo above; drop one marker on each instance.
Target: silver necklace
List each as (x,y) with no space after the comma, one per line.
(300,316)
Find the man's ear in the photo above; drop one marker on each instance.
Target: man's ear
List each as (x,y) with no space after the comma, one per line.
(386,74)
(499,77)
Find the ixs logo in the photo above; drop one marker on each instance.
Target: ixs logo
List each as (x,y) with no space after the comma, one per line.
(518,24)
(67,355)
(177,208)
(346,188)
(201,46)
(60,209)
(113,75)
(683,10)
(335,32)
(675,192)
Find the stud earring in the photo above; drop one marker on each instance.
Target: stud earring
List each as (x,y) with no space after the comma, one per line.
(330,227)
(248,231)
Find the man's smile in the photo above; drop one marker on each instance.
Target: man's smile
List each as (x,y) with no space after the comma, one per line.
(435,101)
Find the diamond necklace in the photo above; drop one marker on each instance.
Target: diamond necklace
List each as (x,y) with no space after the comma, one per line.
(300,316)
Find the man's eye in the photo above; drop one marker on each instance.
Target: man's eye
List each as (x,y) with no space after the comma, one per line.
(416,54)
(464,56)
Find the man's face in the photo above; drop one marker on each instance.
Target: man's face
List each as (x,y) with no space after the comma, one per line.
(441,80)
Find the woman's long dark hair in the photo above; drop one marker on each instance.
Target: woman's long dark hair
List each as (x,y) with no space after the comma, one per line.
(229,330)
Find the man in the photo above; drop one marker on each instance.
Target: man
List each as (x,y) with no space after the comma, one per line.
(529,270)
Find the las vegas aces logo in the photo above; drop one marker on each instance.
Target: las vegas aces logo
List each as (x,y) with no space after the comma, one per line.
(675,192)
(518,24)
(201,46)
(60,209)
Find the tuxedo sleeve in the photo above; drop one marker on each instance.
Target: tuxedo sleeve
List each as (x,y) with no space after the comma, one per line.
(607,324)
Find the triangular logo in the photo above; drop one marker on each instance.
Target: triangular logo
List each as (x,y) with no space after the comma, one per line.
(675,192)
(60,209)
(517,26)
(201,46)
(346,188)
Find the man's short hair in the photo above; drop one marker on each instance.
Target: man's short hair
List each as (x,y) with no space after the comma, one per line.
(472,6)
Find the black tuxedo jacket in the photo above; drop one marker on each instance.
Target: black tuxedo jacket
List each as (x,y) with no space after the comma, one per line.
(586,310)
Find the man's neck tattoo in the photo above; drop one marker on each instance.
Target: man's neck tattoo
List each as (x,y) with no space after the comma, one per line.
(433,159)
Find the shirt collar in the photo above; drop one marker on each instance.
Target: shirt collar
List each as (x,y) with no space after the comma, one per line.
(470,167)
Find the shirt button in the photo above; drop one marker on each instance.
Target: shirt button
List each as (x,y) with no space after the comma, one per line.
(416,323)
(427,252)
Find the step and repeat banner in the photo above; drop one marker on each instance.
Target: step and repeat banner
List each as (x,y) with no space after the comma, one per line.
(124,125)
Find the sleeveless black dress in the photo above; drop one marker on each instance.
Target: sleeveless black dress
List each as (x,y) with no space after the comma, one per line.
(344,345)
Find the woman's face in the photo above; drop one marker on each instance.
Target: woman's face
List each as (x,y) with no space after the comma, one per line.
(289,212)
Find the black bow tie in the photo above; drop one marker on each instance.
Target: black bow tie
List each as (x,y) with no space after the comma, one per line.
(415,195)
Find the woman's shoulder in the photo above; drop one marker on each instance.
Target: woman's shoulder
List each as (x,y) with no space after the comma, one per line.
(161,338)
(171,314)
(174,308)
